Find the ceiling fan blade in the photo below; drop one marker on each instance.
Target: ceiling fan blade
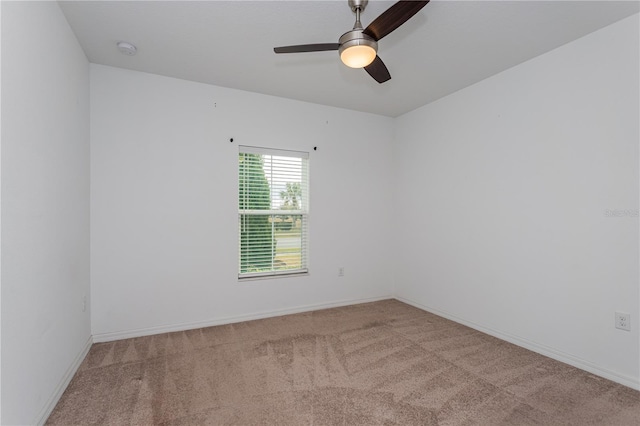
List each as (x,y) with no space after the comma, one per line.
(378,70)
(307,48)
(393,17)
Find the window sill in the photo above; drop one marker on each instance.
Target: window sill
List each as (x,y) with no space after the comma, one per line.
(274,276)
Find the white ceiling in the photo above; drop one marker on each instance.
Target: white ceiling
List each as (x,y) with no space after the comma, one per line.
(447,46)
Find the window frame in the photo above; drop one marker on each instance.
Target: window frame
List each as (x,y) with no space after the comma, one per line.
(303,212)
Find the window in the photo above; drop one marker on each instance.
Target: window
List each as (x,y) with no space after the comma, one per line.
(273,212)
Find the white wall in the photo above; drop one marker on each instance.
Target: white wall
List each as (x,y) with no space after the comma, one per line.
(164,244)
(45,208)
(506,183)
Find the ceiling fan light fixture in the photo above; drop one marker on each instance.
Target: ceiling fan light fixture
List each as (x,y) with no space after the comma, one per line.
(357,50)
(358,56)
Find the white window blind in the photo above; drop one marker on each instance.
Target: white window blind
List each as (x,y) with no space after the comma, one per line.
(273,212)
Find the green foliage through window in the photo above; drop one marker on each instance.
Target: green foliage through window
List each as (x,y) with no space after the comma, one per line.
(256,232)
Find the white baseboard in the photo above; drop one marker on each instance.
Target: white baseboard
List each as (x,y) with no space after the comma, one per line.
(127,334)
(62,386)
(628,381)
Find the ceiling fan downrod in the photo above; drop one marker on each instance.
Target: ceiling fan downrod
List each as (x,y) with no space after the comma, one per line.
(357,10)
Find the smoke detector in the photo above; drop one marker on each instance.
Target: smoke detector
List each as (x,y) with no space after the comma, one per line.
(127,48)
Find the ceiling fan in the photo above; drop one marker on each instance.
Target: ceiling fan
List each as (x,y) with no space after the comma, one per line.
(358,48)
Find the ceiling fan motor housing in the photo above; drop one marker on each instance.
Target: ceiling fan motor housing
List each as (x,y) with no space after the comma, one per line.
(356,38)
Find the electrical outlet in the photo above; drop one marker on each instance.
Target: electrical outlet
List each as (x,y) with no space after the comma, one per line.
(84,303)
(341,271)
(623,321)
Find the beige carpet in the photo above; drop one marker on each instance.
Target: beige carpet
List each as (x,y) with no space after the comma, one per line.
(372,364)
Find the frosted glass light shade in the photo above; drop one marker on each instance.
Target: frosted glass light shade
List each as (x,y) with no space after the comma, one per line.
(358,56)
